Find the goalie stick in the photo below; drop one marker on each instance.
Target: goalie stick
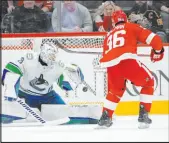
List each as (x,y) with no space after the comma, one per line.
(84,52)
(37,117)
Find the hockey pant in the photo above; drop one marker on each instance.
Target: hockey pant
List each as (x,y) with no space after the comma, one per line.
(138,74)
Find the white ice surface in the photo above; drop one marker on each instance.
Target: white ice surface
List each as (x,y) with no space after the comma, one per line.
(125,128)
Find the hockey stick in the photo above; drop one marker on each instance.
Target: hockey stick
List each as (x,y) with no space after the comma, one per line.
(84,52)
(30,111)
(37,117)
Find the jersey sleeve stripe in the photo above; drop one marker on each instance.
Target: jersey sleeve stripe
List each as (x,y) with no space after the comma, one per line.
(4,74)
(146,98)
(150,38)
(118,59)
(110,105)
(13,68)
(14,64)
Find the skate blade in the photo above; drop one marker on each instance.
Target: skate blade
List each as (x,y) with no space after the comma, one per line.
(143,125)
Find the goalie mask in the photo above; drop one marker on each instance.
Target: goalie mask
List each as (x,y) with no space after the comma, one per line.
(48,53)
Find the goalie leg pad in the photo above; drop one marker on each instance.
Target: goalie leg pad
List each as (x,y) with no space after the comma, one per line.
(36,101)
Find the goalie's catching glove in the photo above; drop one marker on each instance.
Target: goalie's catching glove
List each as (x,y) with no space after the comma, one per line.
(74,74)
(156,55)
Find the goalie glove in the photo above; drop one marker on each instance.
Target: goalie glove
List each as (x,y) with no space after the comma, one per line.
(156,55)
(74,74)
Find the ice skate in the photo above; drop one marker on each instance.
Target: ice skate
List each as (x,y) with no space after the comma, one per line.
(143,119)
(105,121)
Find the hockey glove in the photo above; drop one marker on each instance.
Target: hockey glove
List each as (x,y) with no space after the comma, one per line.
(156,56)
(75,74)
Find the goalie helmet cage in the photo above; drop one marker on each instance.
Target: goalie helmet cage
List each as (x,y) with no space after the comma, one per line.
(88,42)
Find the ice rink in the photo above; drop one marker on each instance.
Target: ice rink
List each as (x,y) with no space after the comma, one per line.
(124,129)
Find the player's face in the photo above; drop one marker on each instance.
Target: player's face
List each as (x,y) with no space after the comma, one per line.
(52,57)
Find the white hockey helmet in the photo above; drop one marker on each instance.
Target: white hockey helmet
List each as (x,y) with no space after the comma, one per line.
(48,53)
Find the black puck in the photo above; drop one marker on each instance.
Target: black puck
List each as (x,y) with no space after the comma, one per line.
(85,89)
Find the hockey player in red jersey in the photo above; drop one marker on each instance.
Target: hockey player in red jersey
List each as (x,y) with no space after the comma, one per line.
(120,59)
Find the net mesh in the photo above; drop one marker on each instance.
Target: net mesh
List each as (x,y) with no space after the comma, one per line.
(67,42)
(17,44)
(78,42)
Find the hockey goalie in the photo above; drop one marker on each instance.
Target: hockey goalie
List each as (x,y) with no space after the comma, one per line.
(31,78)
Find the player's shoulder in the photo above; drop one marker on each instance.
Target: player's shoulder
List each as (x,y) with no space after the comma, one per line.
(130,24)
(133,25)
(28,57)
(31,55)
(60,63)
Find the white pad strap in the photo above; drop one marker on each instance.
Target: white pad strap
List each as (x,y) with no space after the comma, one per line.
(110,105)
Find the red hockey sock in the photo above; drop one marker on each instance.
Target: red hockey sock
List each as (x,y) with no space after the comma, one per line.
(111,102)
(110,112)
(147,106)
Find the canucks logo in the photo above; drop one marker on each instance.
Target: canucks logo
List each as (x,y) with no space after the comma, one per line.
(35,83)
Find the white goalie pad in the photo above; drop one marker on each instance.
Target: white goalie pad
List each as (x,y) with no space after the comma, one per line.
(13,109)
(51,112)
